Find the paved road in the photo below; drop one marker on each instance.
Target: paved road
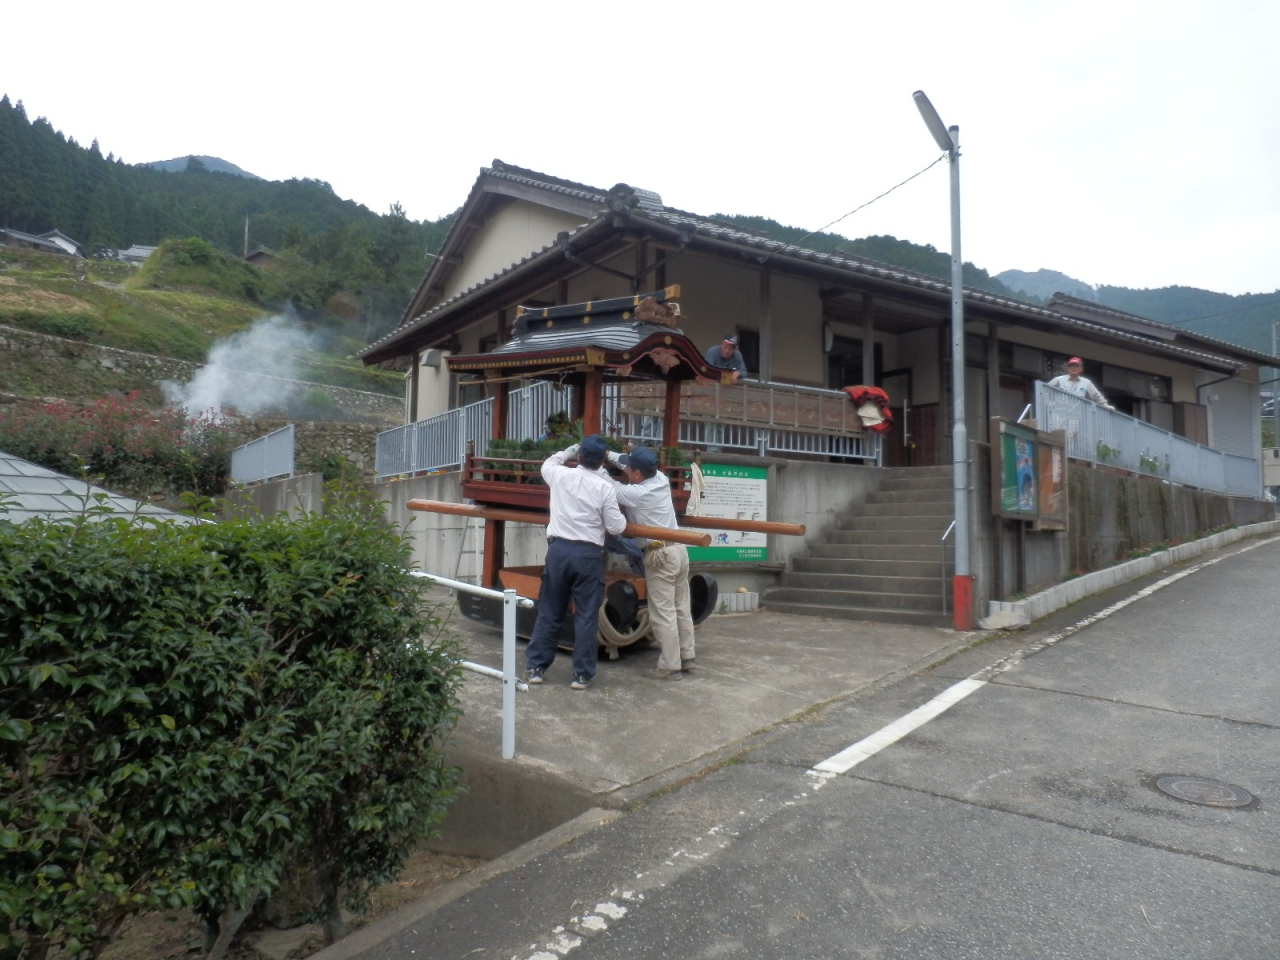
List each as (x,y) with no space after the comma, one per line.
(1022,822)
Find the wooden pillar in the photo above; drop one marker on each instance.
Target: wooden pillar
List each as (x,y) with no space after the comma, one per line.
(766,327)
(868,341)
(671,415)
(592,388)
(579,392)
(495,547)
(501,395)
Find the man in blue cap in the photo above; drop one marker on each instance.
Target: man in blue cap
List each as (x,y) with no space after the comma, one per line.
(726,356)
(646,497)
(584,509)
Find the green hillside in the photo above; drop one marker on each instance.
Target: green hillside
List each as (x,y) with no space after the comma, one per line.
(925,259)
(187,297)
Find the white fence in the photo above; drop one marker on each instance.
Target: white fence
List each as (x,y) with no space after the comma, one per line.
(798,420)
(265,458)
(1104,437)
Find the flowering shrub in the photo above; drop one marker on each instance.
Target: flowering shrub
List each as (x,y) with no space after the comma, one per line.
(133,449)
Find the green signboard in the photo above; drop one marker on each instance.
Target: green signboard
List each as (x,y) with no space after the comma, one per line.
(739,493)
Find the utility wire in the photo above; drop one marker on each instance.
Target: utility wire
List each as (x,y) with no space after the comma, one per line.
(1209,316)
(797,243)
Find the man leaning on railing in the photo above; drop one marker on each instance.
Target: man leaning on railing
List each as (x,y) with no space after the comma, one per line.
(1078,386)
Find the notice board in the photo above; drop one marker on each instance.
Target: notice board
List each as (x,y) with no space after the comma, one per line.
(1029,474)
(739,493)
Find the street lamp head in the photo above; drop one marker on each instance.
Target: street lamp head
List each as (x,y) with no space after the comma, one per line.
(934,122)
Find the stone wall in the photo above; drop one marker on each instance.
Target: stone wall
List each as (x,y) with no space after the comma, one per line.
(355,442)
(23,348)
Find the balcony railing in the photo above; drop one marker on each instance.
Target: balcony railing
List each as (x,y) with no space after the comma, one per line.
(750,417)
(1107,438)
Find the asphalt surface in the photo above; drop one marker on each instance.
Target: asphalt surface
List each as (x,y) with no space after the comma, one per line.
(1022,822)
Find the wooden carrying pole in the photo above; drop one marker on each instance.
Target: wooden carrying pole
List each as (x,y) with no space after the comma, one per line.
(530,516)
(746,526)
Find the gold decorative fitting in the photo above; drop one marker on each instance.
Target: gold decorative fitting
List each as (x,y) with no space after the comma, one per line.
(586,319)
(588,306)
(667,341)
(626,314)
(549,324)
(626,356)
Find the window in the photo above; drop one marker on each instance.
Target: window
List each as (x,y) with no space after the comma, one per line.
(749,347)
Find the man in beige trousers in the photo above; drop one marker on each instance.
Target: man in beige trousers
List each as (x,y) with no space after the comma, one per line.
(646,499)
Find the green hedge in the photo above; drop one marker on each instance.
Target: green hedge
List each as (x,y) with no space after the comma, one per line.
(189,713)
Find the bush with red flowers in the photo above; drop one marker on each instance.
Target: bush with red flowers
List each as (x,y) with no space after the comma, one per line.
(119,441)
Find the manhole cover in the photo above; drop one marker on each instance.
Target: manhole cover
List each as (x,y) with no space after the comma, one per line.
(1210,793)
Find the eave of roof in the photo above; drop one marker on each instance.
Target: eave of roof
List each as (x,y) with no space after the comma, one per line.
(686,227)
(1161,328)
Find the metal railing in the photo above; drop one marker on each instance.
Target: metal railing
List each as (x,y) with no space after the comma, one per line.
(759,418)
(436,443)
(942,543)
(510,600)
(1107,438)
(265,458)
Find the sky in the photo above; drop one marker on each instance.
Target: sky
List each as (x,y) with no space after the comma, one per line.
(1127,143)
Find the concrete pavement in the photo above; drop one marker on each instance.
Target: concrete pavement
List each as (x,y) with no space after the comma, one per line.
(628,736)
(1023,822)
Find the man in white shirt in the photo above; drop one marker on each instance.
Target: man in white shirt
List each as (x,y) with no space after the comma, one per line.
(584,508)
(647,500)
(1077,385)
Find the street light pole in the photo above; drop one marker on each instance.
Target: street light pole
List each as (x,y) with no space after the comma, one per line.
(948,139)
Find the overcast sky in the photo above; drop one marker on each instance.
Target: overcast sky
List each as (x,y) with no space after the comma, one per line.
(1125,143)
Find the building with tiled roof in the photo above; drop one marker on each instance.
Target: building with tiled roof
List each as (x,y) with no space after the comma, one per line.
(803,317)
(28,491)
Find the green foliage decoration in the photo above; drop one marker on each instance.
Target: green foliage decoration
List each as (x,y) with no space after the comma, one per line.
(187,713)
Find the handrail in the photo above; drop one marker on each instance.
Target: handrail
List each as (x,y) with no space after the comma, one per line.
(942,544)
(507,675)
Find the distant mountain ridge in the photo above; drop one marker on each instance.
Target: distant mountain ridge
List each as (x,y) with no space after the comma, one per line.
(1244,320)
(212,164)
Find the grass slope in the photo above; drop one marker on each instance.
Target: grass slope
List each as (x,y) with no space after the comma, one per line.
(179,304)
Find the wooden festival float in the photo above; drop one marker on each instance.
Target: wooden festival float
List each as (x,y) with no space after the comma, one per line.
(585,346)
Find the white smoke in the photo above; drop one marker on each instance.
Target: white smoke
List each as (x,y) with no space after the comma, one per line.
(269,347)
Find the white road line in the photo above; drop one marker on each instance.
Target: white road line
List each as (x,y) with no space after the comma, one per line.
(868,747)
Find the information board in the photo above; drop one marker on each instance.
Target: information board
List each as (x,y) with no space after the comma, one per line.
(1029,475)
(740,493)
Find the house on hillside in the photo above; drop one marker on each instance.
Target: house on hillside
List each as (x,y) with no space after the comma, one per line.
(259,257)
(16,238)
(136,255)
(68,245)
(805,320)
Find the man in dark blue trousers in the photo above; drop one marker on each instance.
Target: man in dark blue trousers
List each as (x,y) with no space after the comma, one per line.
(584,509)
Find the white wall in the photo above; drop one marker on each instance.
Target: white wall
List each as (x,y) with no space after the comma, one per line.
(508,236)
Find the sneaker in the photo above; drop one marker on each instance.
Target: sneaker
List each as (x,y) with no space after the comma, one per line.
(534,675)
(687,666)
(580,682)
(657,674)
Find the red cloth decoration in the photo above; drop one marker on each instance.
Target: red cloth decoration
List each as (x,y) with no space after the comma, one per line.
(861,395)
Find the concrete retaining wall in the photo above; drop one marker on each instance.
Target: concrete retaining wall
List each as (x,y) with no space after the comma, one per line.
(1022,612)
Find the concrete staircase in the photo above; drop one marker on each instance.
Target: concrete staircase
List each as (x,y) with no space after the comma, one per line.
(883,561)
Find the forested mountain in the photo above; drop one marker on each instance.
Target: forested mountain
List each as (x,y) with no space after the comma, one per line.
(925,259)
(212,164)
(340,262)
(1244,320)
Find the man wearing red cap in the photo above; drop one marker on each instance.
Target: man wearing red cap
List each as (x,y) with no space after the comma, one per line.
(1079,386)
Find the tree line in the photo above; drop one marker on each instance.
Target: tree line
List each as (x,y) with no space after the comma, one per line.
(327,246)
